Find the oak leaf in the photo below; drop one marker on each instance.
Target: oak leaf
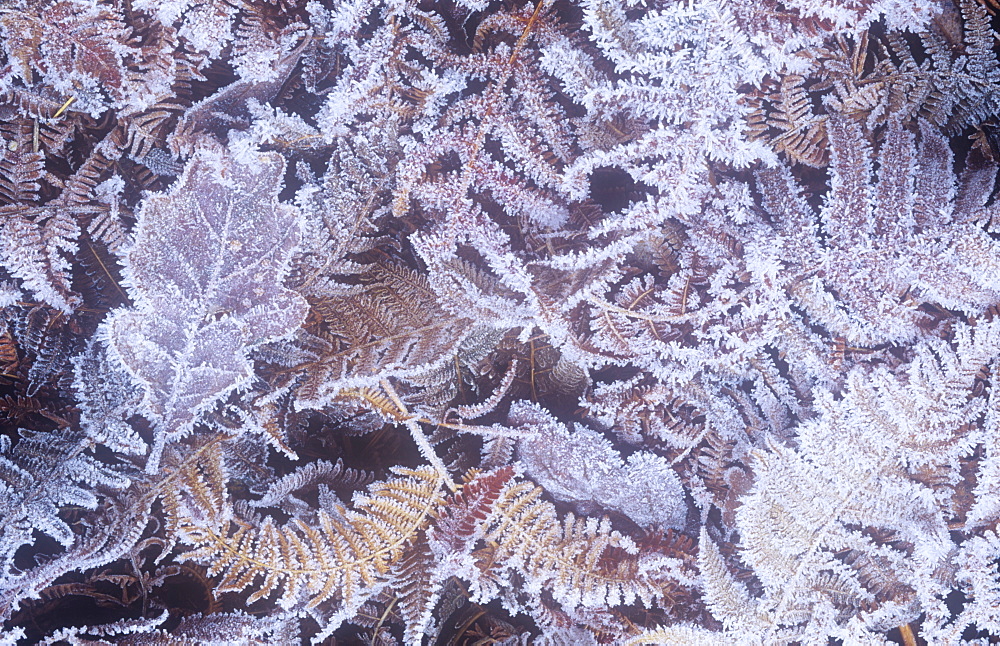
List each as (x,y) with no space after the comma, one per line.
(205,273)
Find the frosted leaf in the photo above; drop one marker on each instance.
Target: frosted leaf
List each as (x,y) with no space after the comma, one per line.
(581,466)
(205,274)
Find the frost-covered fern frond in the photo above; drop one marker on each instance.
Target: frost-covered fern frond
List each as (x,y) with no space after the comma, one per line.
(390,325)
(866,487)
(43,474)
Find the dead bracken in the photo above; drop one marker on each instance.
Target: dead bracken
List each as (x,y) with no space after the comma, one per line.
(480,321)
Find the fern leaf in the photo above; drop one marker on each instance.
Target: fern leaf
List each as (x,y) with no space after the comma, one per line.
(726,597)
(343,557)
(801,133)
(580,561)
(34,245)
(106,398)
(417,590)
(461,519)
(148,130)
(681,635)
(30,502)
(21,166)
(280,492)
(392,325)
(79,187)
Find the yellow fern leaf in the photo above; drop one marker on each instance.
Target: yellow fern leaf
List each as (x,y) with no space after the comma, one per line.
(340,556)
(580,560)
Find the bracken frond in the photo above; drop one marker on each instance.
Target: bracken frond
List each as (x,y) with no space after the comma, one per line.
(339,555)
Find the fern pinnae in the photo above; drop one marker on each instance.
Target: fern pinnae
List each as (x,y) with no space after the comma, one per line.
(348,554)
(582,561)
